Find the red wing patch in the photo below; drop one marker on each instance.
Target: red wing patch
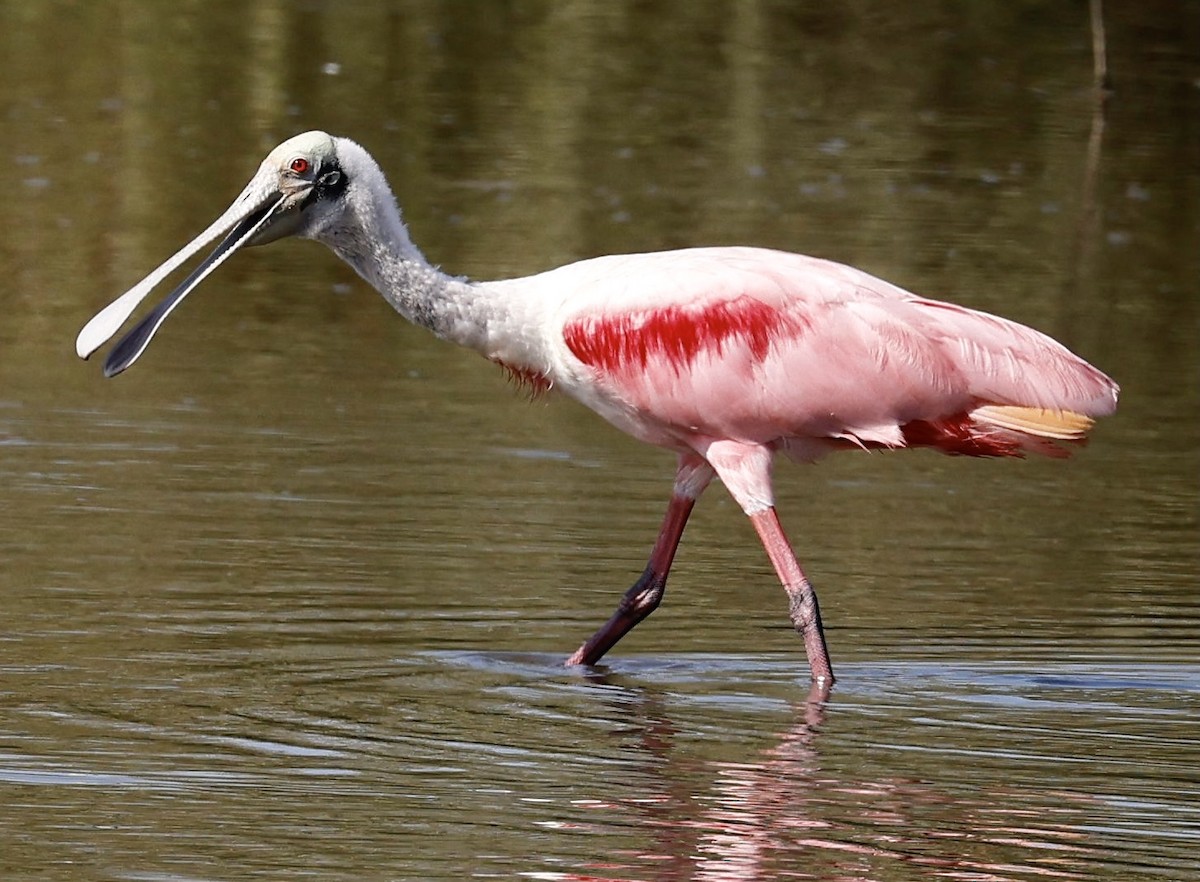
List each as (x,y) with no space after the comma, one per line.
(678,334)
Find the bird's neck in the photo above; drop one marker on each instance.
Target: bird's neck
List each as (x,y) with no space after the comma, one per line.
(376,243)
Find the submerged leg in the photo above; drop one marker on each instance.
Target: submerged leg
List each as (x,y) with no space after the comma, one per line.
(802,599)
(647,592)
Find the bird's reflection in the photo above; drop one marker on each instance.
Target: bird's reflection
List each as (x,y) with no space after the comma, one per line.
(783,813)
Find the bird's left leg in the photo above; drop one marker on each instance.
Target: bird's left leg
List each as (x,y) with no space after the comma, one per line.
(646,594)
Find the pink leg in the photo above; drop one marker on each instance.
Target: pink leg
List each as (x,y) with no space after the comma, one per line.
(647,592)
(802,599)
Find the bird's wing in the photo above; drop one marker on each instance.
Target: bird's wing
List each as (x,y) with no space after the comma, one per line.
(1005,362)
(762,345)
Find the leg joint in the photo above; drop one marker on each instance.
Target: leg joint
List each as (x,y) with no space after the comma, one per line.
(645,595)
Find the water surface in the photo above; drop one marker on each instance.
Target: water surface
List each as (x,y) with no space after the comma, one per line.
(290,598)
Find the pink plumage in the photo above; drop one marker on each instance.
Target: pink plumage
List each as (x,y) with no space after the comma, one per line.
(727,356)
(804,355)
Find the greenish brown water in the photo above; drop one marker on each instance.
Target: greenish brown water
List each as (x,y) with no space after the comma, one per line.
(289,599)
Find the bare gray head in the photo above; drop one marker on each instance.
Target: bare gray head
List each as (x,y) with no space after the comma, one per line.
(303,188)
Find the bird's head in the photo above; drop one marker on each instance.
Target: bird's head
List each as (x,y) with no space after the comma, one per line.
(299,190)
(299,187)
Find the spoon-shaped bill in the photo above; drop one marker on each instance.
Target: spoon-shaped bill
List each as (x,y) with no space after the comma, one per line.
(133,344)
(259,193)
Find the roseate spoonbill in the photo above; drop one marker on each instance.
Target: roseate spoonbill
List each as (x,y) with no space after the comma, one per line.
(726,356)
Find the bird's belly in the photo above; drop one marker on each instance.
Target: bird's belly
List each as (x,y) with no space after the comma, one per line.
(807,416)
(679,416)
(647,424)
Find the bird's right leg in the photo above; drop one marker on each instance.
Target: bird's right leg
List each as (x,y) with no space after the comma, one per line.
(745,470)
(802,599)
(646,594)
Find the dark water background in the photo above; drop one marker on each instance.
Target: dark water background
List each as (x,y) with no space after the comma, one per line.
(288,599)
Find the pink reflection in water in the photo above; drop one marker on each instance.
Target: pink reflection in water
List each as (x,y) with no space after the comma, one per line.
(784,817)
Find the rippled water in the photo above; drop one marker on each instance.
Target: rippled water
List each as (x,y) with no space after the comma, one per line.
(342,762)
(290,598)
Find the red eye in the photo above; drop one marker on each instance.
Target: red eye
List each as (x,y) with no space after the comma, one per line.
(299,165)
